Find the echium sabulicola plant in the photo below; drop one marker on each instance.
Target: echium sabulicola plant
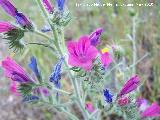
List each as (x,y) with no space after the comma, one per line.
(82,61)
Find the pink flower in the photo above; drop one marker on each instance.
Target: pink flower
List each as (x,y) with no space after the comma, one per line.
(5,27)
(130,85)
(105,58)
(13,88)
(152,111)
(48,5)
(89,107)
(81,53)
(15,71)
(123,101)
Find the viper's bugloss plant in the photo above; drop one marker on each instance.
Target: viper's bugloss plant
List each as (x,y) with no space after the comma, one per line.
(88,67)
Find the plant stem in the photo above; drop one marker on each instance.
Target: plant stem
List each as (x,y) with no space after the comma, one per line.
(134,43)
(61,52)
(42,34)
(73,117)
(43,9)
(73,80)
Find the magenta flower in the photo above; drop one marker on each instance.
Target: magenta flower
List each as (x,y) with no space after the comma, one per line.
(6,27)
(123,101)
(95,36)
(130,85)
(48,5)
(81,53)
(89,107)
(151,111)
(13,88)
(14,71)
(105,57)
(8,7)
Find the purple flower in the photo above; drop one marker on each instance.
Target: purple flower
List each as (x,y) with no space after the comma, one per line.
(23,21)
(48,6)
(142,104)
(95,36)
(30,98)
(130,85)
(151,111)
(81,53)
(8,7)
(60,4)
(34,67)
(56,74)
(108,96)
(15,71)
(20,18)
(6,27)
(42,90)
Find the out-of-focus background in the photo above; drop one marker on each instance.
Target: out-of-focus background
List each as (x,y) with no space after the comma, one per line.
(118,25)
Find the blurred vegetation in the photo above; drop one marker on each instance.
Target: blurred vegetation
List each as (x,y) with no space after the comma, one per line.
(117,24)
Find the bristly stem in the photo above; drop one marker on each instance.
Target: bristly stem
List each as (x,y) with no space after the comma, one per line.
(73,80)
(42,34)
(61,52)
(134,44)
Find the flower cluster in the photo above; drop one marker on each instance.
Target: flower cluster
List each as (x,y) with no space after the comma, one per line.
(23,84)
(83,52)
(87,65)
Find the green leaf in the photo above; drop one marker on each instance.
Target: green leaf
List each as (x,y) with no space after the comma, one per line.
(26,89)
(13,38)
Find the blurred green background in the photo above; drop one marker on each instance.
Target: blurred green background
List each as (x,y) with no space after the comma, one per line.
(117,24)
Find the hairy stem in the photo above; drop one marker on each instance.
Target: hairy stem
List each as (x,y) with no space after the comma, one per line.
(134,44)
(42,34)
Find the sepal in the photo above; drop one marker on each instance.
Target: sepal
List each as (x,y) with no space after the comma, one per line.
(13,38)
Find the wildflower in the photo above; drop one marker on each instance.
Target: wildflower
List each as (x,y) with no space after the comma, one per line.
(13,88)
(151,111)
(60,4)
(15,71)
(34,67)
(123,101)
(46,29)
(23,21)
(89,107)
(106,58)
(6,27)
(142,104)
(56,74)
(107,95)
(30,98)
(48,5)
(81,53)
(130,85)
(95,36)
(42,90)
(8,7)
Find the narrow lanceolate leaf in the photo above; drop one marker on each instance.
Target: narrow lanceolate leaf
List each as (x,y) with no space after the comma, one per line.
(13,38)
